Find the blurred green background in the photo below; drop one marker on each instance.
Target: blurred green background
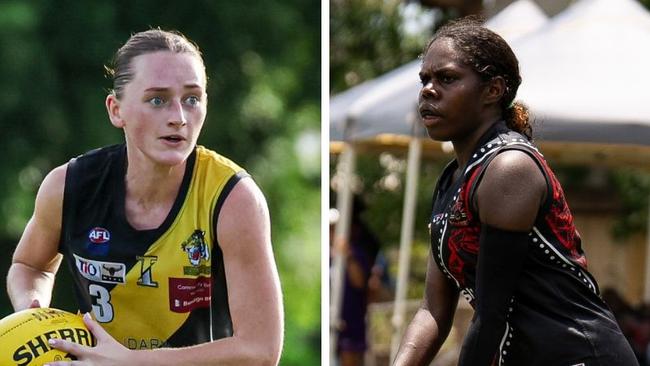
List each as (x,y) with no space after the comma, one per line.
(263,63)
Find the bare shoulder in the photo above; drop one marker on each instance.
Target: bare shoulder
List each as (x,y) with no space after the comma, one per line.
(246,191)
(53,185)
(511,191)
(244,216)
(509,166)
(37,247)
(245,199)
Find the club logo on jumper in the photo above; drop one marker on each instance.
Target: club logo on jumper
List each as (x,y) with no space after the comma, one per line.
(98,239)
(198,254)
(187,294)
(146,275)
(458,215)
(98,271)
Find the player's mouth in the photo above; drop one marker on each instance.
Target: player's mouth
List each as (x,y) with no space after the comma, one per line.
(429,114)
(173,139)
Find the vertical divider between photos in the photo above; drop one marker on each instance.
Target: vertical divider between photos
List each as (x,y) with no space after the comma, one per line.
(646,286)
(406,236)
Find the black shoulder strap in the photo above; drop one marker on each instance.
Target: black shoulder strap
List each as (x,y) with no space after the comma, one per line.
(445,176)
(221,321)
(70,185)
(524,147)
(81,173)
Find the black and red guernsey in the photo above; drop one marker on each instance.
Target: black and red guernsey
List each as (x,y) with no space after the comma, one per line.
(556,315)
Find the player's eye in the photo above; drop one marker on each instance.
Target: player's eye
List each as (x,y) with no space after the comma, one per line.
(192,100)
(156,101)
(447,79)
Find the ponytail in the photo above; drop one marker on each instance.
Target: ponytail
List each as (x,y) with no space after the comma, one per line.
(518,119)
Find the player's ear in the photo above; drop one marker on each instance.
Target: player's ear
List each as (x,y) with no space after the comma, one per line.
(113,109)
(494,90)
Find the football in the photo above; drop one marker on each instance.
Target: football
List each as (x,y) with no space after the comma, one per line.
(24,336)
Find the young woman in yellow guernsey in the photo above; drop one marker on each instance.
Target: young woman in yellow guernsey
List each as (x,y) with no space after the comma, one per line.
(168,242)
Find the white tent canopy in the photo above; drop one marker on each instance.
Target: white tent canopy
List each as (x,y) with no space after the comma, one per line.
(585,77)
(586,73)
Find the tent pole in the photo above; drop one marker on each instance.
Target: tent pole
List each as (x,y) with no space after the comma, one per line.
(406,240)
(345,168)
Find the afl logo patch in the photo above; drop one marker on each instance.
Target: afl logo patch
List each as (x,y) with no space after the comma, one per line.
(99,235)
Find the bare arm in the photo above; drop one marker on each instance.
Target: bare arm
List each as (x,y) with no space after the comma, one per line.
(429,328)
(36,259)
(253,288)
(511,192)
(254,297)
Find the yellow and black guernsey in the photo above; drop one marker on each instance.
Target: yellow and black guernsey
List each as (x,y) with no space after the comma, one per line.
(163,287)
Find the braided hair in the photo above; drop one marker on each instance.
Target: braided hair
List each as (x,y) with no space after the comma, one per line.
(489,56)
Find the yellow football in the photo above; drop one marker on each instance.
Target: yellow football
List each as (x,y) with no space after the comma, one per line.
(24,336)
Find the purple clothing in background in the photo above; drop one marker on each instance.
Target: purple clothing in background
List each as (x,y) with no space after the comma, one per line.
(363,250)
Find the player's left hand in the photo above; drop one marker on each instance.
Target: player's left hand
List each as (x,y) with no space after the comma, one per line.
(107,352)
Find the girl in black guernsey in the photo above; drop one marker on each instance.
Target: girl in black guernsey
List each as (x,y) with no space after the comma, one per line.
(502,235)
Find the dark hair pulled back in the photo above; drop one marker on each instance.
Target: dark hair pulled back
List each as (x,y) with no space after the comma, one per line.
(490,56)
(153,40)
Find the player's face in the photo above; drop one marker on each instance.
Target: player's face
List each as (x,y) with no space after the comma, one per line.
(450,98)
(163,107)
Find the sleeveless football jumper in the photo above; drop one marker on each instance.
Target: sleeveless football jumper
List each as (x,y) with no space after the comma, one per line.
(164,287)
(556,316)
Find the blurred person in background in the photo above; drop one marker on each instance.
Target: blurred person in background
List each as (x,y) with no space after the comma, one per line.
(380,284)
(502,235)
(361,251)
(168,242)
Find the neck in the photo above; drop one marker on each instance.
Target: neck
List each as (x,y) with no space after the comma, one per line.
(464,148)
(149,184)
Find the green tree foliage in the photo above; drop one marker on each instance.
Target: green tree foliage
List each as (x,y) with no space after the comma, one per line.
(368,38)
(263,64)
(633,188)
(646,3)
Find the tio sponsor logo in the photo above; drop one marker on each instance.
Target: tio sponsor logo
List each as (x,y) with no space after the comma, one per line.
(87,268)
(98,271)
(99,235)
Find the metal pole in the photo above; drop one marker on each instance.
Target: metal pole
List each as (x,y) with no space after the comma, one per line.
(406,240)
(345,168)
